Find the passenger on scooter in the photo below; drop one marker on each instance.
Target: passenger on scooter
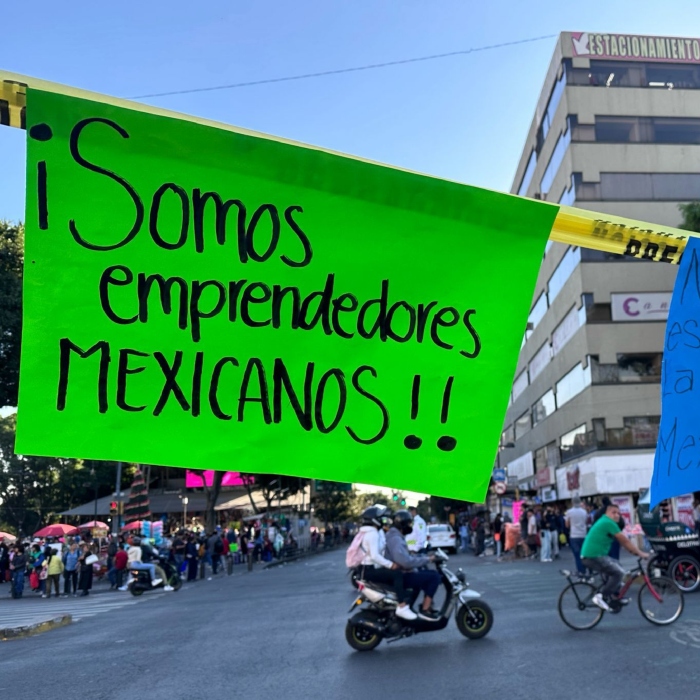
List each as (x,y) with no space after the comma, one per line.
(397,551)
(375,567)
(135,555)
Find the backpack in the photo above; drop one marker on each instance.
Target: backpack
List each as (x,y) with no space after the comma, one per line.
(355,553)
(218,547)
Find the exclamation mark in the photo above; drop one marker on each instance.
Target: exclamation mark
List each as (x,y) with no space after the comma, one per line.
(42,132)
(413,442)
(446,443)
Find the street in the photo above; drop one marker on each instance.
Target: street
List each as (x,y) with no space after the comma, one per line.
(280,632)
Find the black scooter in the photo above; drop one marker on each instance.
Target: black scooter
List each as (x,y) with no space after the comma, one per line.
(141,579)
(377,619)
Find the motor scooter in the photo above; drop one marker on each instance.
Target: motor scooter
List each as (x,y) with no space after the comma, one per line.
(141,579)
(377,620)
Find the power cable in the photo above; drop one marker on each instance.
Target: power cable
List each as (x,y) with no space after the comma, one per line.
(354,69)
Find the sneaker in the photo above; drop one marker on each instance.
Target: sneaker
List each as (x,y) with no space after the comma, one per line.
(43,595)
(168,588)
(600,602)
(405,613)
(125,587)
(430,615)
(156,582)
(622,601)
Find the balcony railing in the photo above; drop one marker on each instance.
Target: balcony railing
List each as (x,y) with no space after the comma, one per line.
(615,439)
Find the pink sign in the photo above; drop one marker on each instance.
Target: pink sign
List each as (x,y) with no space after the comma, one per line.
(684,510)
(517,509)
(634,47)
(193,479)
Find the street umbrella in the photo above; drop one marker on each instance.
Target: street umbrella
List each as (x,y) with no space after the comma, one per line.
(7,536)
(56,530)
(135,525)
(93,523)
(138,506)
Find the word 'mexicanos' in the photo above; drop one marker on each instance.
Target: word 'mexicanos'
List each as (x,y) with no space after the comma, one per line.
(192,210)
(257,305)
(227,387)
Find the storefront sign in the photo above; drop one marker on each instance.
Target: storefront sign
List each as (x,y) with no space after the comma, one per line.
(684,510)
(544,477)
(640,307)
(522,467)
(635,48)
(624,503)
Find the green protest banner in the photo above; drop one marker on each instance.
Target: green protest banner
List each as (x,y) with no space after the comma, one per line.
(206,298)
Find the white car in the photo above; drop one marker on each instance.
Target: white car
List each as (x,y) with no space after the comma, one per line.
(442,536)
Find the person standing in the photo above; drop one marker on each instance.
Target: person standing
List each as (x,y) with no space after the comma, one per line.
(4,560)
(416,540)
(497,527)
(191,557)
(178,550)
(18,566)
(576,518)
(70,570)
(84,570)
(533,540)
(54,569)
(116,573)
(215,548)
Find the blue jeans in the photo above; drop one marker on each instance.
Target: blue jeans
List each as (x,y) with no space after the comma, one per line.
(140,566)
(576,543)
(426,581)
(546,549)
(18,582)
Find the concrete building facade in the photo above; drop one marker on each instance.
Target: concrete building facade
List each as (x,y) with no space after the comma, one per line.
(616,130)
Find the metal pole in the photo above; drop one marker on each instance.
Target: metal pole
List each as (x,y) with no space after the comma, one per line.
(117,491)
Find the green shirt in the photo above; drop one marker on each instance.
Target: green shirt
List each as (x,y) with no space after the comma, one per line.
(599,538)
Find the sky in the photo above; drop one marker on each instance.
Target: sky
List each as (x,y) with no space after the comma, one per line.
(463,118)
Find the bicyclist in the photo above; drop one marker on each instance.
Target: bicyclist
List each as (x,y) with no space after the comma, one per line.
(594,555)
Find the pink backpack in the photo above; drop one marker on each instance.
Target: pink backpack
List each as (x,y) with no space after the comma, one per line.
(355,553)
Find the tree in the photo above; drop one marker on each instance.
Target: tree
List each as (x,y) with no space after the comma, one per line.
(11,264)
(212,492)
(691,216)
(273,487)
(334,504)
(138,506)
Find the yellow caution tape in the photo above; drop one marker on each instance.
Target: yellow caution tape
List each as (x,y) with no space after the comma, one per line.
(578,227)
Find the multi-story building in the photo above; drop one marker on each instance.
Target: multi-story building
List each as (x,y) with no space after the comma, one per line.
(616,130)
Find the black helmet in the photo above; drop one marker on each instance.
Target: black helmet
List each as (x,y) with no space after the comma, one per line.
(403,522)
(374,514)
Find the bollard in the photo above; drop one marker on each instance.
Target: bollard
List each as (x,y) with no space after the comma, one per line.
(250,562)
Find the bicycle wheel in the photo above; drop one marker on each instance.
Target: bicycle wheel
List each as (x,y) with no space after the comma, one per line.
(685,571)
(576,607)
(662,606)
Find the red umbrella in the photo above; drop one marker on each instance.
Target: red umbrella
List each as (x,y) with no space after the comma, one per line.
(56,530)
(93,523)
(135,525)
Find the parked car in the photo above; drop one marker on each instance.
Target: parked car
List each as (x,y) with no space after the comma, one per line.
(442,536)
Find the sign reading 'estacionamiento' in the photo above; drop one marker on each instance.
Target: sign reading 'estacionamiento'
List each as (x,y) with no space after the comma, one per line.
(199,297)
(632,47)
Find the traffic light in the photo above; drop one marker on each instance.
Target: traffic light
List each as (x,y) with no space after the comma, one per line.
(403,501)
(113,508)
(395,496)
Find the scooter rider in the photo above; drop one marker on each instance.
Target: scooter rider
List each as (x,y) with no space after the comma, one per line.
(375,567)
(135,555)
(397,551)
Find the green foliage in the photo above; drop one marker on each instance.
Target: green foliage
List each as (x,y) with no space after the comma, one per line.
(691,216)
(11,264)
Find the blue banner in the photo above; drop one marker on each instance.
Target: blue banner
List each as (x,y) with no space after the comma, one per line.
(677,459)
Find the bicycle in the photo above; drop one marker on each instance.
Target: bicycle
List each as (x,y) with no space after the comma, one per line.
(660,601)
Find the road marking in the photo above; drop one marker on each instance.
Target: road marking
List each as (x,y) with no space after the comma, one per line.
(687,633)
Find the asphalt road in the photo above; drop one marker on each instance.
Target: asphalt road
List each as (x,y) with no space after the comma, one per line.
(280,633)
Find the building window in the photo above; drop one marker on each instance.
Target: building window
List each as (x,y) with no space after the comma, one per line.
(573,441)
(635,187)
(508,436)
(568,264)
(566,330)
(543,407)
(522,425)
(595,313)
(634,368)
(520,384)
(537,314)
(554,100)
(610,129)
(529,172)
(539,361)
(573,383)
(607,74)
(556,159)
(553,455)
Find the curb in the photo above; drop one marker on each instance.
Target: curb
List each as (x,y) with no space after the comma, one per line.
(36,628)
